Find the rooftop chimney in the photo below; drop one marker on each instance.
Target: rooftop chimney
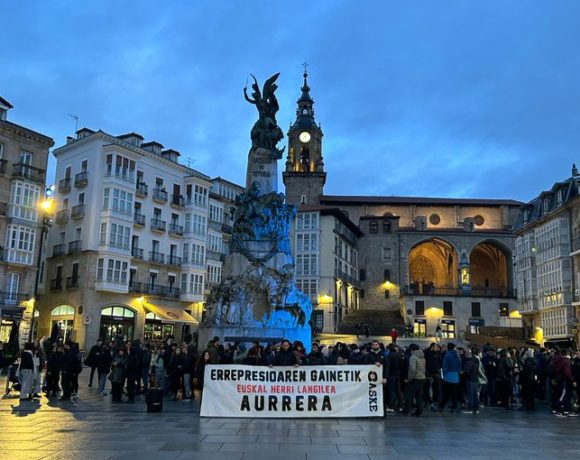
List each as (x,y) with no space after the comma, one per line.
(574,170)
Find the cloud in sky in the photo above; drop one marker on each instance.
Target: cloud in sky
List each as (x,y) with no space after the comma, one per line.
(465,99)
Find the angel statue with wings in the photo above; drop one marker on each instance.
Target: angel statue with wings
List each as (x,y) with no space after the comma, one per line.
(266,133)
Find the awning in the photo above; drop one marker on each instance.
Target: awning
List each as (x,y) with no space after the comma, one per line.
(171,314)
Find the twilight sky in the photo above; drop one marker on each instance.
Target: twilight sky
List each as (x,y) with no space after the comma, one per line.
(476,98)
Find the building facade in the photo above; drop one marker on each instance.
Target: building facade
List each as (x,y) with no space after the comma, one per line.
(440,262)
(126,256)
(547,263)
(23,159)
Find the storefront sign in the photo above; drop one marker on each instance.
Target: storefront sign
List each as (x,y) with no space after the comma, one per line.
(12,313)
(476,322)
(259,391)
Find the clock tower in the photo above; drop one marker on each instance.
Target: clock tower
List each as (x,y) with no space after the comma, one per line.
(304,176)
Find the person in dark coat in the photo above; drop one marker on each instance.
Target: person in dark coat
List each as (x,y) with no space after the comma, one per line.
(505,378)
(117,375)
(392,373)
(54,367)
(69,369)
(199,379)
(78,368)
(92,360)
(188,371)
(433,363)
(286,356)
(104,368)
(176,366)
(528,380)
(133,370)
(315,357)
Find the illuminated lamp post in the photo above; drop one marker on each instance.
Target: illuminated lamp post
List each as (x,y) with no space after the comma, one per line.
(46,207)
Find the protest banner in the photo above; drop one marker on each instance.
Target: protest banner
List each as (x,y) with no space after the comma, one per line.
(325,391)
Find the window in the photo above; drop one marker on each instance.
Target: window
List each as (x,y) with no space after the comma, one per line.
(20,244)
(119,236)
(122,201)
(199,224)
(386,275)
(362,293)
(307,265)
(387,293)
(25,157)
(307,221)
(197,254)
(447,308)
(1,151)
(116,271)
(387,254)
(308,286)
(11,285)
(24,201)
(196,284)
(103,240)
(306,242)
(374,227)
(419,308)
(106,194)
(475,309)
(200,196)
(363,274)
(120,167)
(386,227)
(84,165)
(183,284)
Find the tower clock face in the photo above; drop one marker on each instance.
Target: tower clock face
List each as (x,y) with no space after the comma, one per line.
(304,137)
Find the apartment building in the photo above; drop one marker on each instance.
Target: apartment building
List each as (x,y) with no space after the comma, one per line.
(23,158)
(126,256)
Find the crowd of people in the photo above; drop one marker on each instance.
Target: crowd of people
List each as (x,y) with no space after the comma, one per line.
(439,377)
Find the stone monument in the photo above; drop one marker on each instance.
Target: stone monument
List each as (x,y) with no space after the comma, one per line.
(258,298)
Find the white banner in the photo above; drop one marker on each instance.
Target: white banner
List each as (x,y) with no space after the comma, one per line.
(306,391)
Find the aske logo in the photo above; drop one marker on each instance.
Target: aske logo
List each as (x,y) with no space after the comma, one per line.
(373,391)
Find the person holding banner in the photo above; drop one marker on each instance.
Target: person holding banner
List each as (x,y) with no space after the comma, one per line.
(286,356)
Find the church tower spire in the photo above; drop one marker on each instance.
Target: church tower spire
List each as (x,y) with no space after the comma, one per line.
(304,176)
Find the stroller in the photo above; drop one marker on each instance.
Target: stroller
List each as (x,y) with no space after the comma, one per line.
(12,382)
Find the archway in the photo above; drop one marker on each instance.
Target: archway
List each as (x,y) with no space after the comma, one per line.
(117,323)
(489,268)
(62,317)
(432,265)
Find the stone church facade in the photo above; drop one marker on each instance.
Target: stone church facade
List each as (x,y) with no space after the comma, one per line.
(443,262)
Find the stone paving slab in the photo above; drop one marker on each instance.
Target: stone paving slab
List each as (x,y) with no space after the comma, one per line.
(91,428)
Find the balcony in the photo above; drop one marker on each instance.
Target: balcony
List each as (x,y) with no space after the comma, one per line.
(347,278)
(82,179)
(12,298)
(64,185)
(227,228)
(156,257)
(61,216)
(139,219)
(175,229)
(213,255)
(72,282)
(141,189)
(158,225)
(154,290)
(214,224)
(74,247)
(427,290)
(137,253)
(77,212)
(56,284)
(177,201)
(159,195)
(3,164)
(28,172)
(58,250)
(174,261)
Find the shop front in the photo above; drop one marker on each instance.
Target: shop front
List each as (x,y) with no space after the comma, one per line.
(420,327)
(448,330)
(475,324)
(10,318)
(162,322)
(117,323)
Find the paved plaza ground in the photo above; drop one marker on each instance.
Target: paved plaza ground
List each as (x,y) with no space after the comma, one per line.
(92,428)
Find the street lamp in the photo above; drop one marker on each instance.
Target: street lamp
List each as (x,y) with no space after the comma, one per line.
(46,207)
